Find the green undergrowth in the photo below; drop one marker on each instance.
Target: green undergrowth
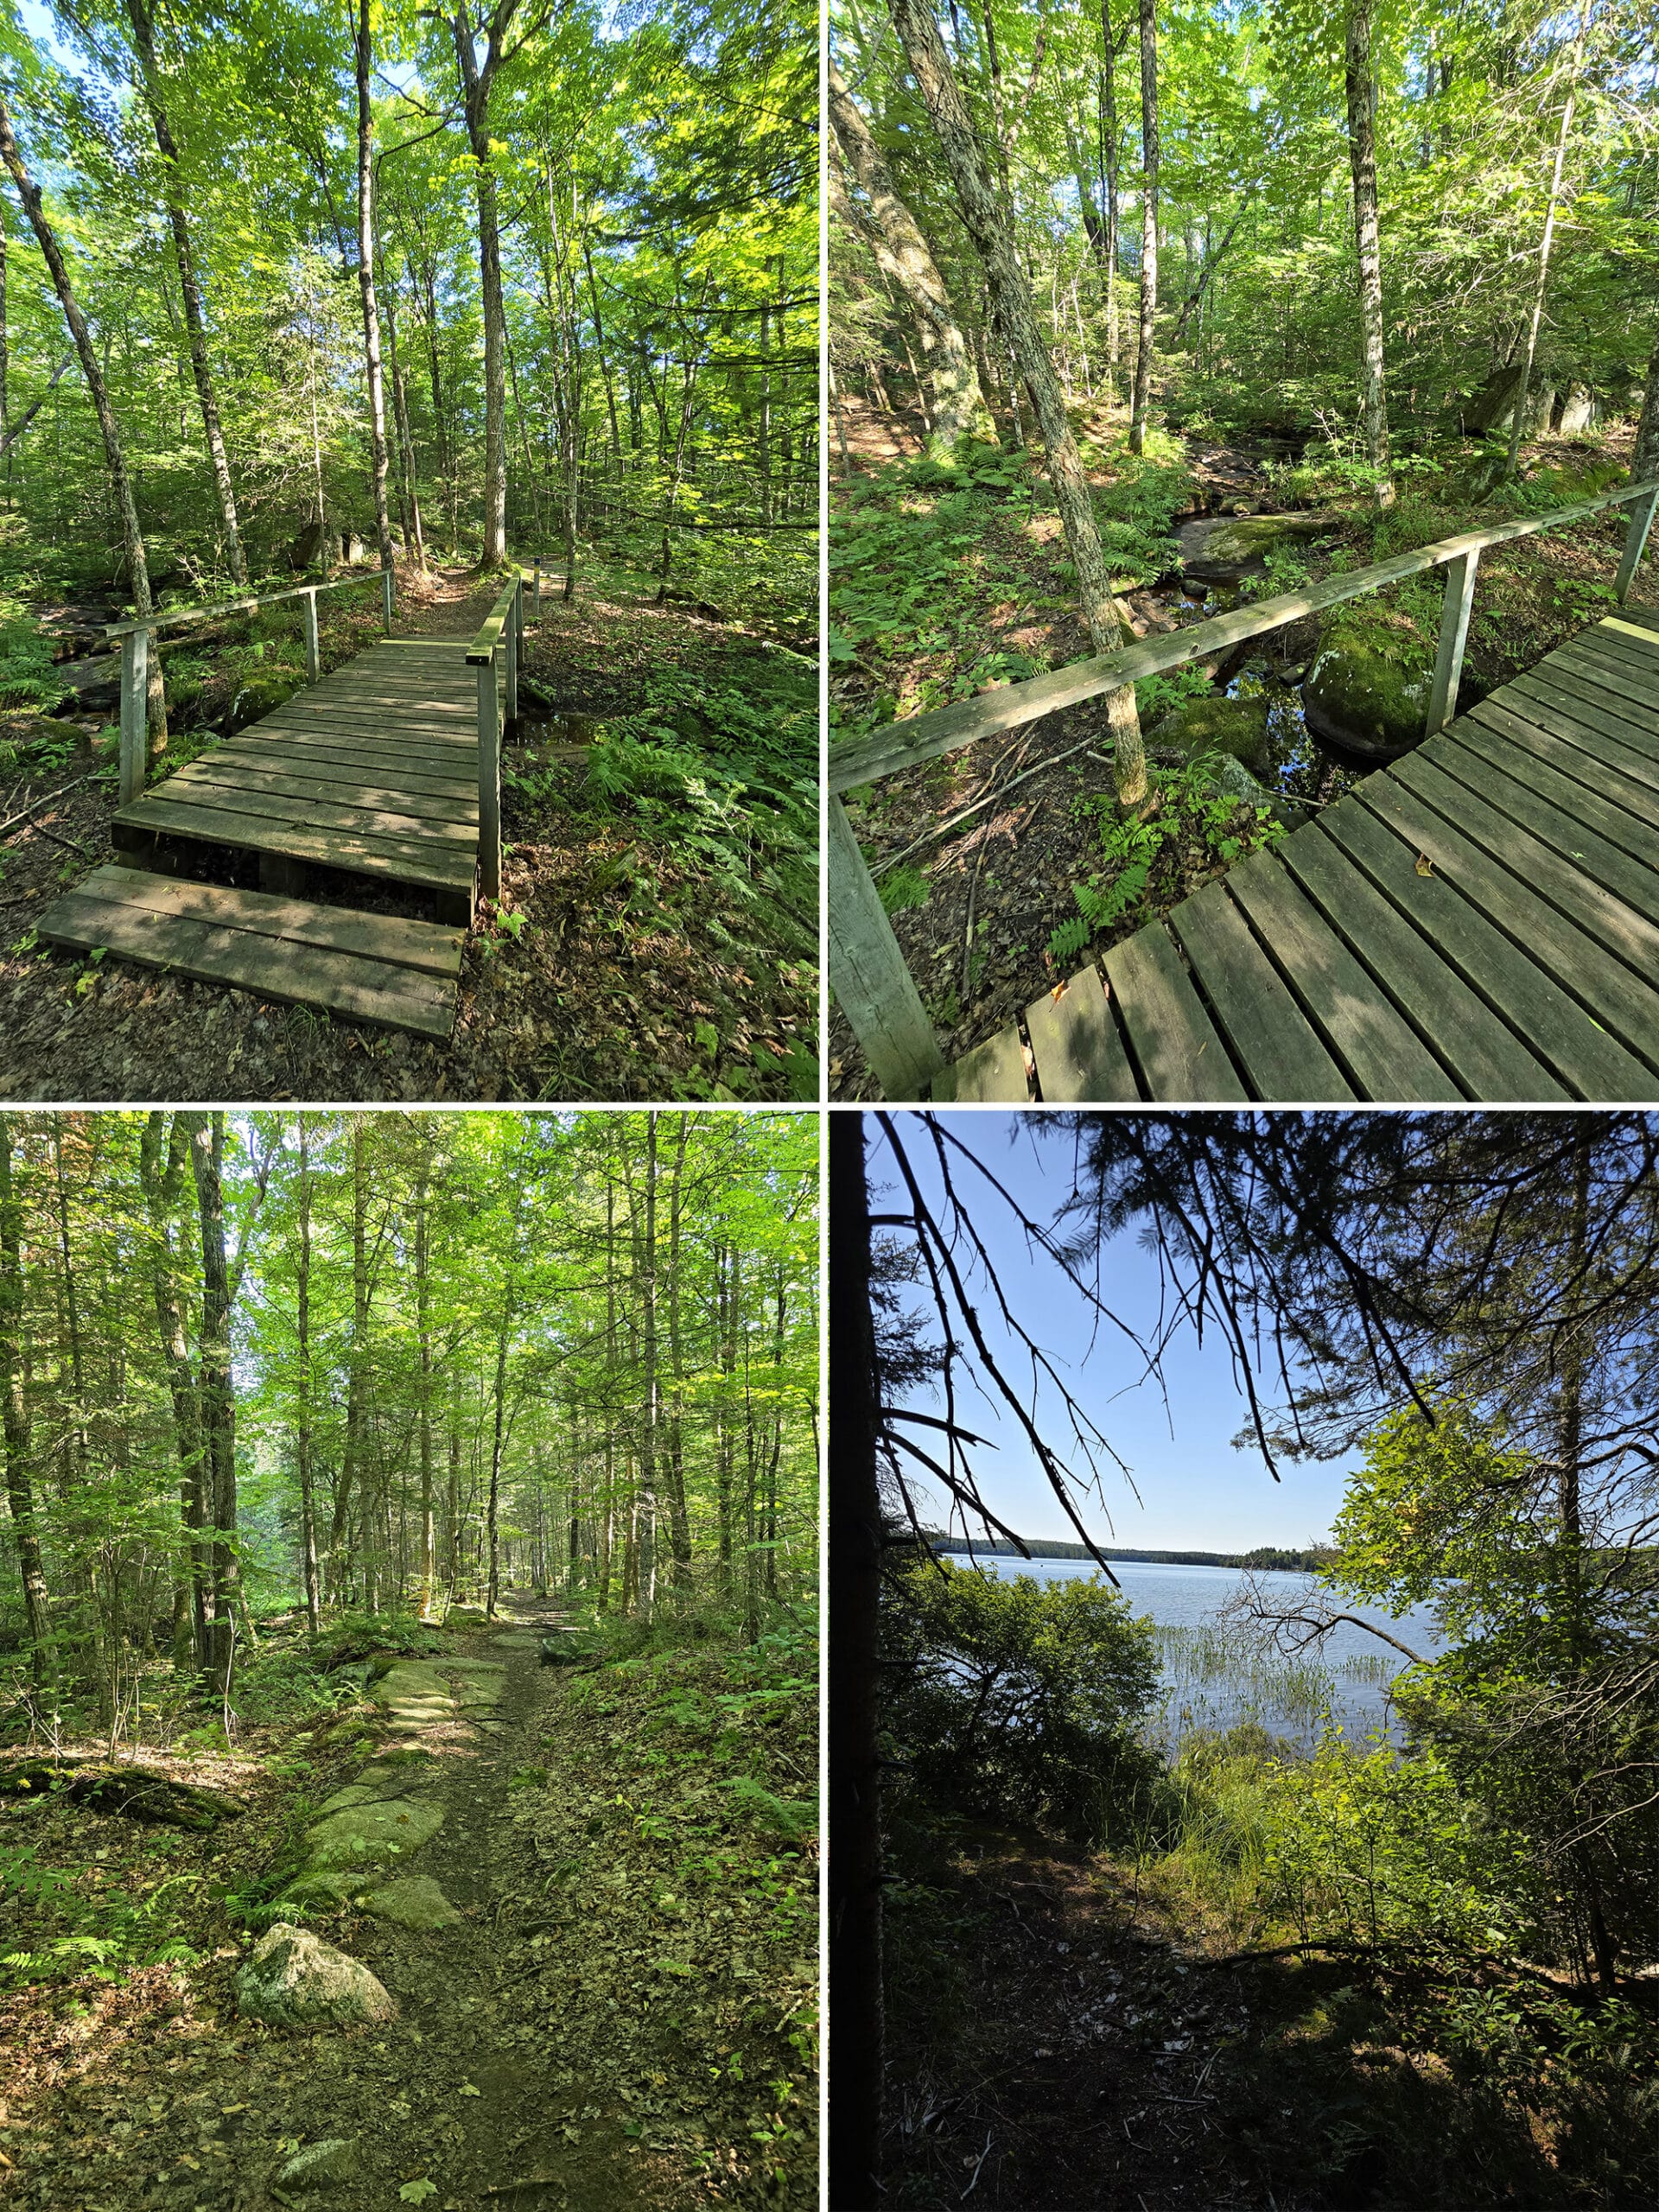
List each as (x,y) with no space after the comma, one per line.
(927,563)
(676,1836)
(1149,864)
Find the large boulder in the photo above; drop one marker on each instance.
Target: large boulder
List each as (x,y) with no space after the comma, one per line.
(1580,409)
(292,1979)
(1492,407)
(1365,696)
(1227,546)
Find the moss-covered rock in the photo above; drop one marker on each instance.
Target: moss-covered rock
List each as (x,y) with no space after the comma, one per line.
(1236,727)
(1224,548)
(259,696)
(415,1901)
(1367,690)
(373,1834)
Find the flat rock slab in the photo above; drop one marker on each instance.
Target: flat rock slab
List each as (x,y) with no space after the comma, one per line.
(373,1834)
(413,1901)
(512,1643)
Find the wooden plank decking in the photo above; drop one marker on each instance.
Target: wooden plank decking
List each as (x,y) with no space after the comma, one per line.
(372,771)
(1480,921)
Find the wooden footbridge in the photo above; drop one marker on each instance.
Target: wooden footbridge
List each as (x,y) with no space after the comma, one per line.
(381,780)
(1479,921)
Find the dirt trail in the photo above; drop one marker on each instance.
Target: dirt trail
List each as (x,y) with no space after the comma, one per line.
(449,2092)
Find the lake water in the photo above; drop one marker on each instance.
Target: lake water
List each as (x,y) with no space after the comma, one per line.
(1209,1683)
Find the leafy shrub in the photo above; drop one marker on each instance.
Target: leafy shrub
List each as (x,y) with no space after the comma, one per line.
(1021,1698)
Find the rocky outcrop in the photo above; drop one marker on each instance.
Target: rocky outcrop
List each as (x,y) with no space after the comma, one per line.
(292,1979)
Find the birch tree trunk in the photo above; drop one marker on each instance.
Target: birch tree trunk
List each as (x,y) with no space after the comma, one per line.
(1517,421)
(902,254)
(981,209)
(1142,397)
(1361,155)
(28,194)
(362,55)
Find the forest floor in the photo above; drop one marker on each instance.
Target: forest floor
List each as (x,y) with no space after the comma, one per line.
(540,2059)
(657,935)
(1063,2041)
(943,590)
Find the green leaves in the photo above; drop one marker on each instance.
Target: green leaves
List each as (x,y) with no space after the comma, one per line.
(417,2192)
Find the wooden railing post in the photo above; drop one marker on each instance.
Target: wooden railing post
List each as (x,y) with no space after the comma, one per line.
(489,782)
(386,596)
(1455,636)
(313,654)
(1635,538)
(874,988)
(134,714)
(515,625)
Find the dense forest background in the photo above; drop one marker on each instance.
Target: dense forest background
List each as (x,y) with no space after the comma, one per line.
(366,279)
(1225,139)
(385,1364)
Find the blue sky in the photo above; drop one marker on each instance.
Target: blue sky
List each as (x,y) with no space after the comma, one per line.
(1197,1491)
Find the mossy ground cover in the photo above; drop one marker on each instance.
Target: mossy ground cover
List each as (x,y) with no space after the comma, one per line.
(941,587)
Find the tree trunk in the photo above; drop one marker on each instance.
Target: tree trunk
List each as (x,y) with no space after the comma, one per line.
(1362,154)
(476,84)
(362,57)
(218,1399)
(162,1186)
(356,1362)
(14,1421)
(28,194)
(649,1390)
(981,209)
(1108,167)
(901,252)
(302,1436)
(1644,456)
(423,1328)
(1517,422)
(855,1903)
(141,15)
(414,535)
(679,1529)
(1142,398)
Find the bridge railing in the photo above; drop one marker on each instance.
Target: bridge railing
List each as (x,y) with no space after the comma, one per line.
(500,639)
(867,973)
(135,655)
